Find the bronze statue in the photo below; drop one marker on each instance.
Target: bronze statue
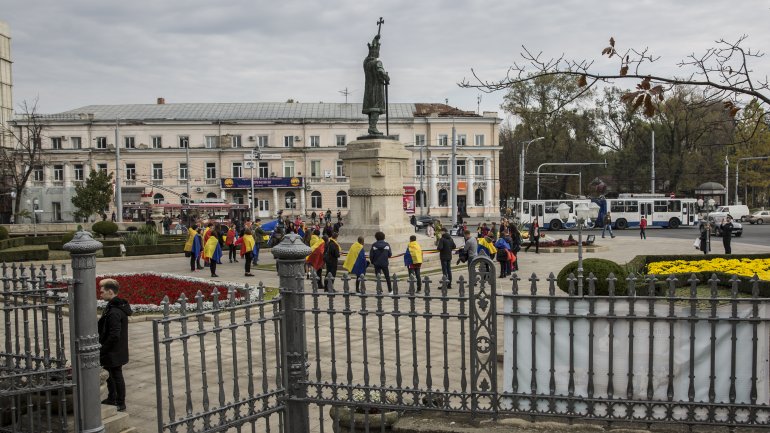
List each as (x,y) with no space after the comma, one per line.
(375,86)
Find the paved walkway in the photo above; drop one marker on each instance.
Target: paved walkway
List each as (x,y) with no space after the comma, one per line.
(140,372)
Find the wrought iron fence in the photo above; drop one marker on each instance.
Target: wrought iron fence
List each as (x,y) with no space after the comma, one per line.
(35,381)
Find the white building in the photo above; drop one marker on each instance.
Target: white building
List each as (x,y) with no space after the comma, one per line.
(171,151)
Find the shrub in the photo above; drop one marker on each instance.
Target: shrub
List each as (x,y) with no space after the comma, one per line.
(111,251)
(145,235)
(36,252)
(105,228)
(11,243)
(3,233)
(601,269)
(144,250)
(66,237)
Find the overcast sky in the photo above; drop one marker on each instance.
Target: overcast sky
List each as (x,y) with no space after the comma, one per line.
(72,53)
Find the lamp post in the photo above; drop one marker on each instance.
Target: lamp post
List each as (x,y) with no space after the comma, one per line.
(750,158)
(524,147)
(34,205)
(710,205)
(583,213)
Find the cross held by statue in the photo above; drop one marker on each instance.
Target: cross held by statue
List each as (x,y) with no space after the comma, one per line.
(379,26)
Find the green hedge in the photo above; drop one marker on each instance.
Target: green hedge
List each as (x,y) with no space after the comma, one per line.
(41,240)
(105,228)
(39,252)
(145,250)
(111,251)
(55,245)
(601,269)
(11,243)
(3,233)
(111,242)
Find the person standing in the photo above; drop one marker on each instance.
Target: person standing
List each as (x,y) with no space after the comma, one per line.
(328,216)
(331,258)
(429,231)
(534,237)
(446,246)
(515,246)
(704,238)
(313,217)
(113,338)
(643,228)
(413,260)
(212,251)
(247,251)
(470,249)
(727,233)
(356,263)
(193,247)
(259,237)
(503,247)
(607,225)
(232,236)
(339,216)
(379,254)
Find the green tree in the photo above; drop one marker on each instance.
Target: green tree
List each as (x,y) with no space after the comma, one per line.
(94,195)
(753,138)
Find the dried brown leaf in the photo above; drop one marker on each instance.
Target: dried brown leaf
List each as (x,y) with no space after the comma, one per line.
(612,41)
(624,71)
(656,90)
(734,111)
(649,108)
(607,50)
(582,81)
(638,102)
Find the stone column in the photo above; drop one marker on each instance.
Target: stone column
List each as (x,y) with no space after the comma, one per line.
(470,197)
(276,204)
(68,174)
(488,190)
(302,206)
(85,336)
(48,175)
(290,257)
(433,182)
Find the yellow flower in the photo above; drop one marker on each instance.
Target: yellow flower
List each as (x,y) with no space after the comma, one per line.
(741,267)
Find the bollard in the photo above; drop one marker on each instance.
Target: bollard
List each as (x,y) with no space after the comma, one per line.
(83,328)
(290,257)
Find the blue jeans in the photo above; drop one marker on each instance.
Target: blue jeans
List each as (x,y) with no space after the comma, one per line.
(607,227)
(255,260)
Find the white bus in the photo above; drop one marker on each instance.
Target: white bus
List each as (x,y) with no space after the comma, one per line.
(547,215)
(660,211)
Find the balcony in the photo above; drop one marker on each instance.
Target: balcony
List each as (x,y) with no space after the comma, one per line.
(130,182)
(157,181)
(341,179)
(315,179)
(212,181)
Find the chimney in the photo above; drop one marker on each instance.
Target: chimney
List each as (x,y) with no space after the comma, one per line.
(161,101)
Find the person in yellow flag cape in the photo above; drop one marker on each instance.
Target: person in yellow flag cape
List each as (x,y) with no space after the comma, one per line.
(413,260)
(212,251)
(316,258)
(356,262)
(487,247)
(193,247)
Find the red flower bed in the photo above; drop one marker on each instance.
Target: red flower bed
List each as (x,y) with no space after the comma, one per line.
(150,288)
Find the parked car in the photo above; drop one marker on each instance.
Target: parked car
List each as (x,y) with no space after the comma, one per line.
(760,217)
(716,231)
(737,211)
(424,220)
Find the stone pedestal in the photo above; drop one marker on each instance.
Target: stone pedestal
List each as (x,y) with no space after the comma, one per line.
(377,168)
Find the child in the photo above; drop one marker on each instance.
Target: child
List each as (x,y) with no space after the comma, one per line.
(413,259)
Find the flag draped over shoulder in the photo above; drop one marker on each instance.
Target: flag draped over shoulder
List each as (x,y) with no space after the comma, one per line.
(413,255)
(486,247)
(355,263)
(317,248)
(212,250)
(197,245)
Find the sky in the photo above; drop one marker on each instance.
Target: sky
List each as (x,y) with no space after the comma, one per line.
(72,53)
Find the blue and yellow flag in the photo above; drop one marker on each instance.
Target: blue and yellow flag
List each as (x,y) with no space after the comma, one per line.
(355,263)
(212,250)
(486,247)
(413,254)
(197,245)
(317,249)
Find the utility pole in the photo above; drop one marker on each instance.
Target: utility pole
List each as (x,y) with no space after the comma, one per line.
(727,180)
(118,195)
(346,93)
(422,178)
(454,171)
(652,180)
(524,146)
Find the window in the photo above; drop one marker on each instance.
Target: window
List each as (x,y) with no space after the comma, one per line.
(419,167)
(478,198)
(102,167)
(263,170)
(56,143)
(288,169)
(419,197)
(212,195)
(316,200)
(235,141)
(261,140)
(130,171)
(238,198)
(237,169)
(79,173)
(157,142)
(341,140)
(315,141)
(157,171)
(58,173)
(263,205)
(38,174)
(158,198)
(340,169)
(443,140)
(212,141)
(56,209)
(478,167)
(211,170)
(184,141)
(315,168)
(479,139)
(443,167)
(419,140)
(443,197)
(288,141)
(290,200)
(183,172)
(461,167)
(77,142)
(184,199)
(101,142)
(129,142)
(342,199)
(462,140)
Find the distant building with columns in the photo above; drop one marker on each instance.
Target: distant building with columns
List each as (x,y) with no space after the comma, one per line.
(176,154)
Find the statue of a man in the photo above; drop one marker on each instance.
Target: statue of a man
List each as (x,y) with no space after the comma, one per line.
(374,86)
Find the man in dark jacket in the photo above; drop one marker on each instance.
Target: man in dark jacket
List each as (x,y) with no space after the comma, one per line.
(445,247)
(379,255)
(113,337)
(727,233)
(331,257)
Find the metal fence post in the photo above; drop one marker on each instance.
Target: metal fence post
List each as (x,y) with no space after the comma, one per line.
(290,257)
(85,341)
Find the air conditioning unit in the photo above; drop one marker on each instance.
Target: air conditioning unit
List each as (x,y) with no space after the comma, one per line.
(252,138)
(198,189)
(297,138)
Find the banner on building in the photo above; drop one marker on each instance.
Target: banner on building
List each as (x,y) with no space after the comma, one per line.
(408,199)
(261,182)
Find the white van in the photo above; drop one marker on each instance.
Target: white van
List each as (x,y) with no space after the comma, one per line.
(737,211)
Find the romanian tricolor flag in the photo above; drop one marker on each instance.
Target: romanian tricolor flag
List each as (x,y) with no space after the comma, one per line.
(486,247)
(197,245)
(355,263)
(317,248)
(413,255)
(212,251)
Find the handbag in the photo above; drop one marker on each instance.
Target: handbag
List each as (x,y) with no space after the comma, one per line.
(696,244)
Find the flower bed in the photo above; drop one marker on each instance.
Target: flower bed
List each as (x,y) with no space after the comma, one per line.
(740,267)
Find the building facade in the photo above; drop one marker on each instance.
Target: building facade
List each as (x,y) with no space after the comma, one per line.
(6,80)
(171,152)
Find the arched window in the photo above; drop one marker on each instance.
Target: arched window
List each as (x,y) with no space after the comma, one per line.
(443,197)
(478,197)
(420,199)
(184,199)
(342,200)
(238,198)
(157,198)
(212,195)
(290,200)
(316,200)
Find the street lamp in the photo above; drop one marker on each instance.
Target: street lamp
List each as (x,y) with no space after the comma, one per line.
(710,205)
(34,205)
(524,147)
(583,213)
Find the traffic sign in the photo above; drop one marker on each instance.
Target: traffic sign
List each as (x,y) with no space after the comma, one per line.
(39,211)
